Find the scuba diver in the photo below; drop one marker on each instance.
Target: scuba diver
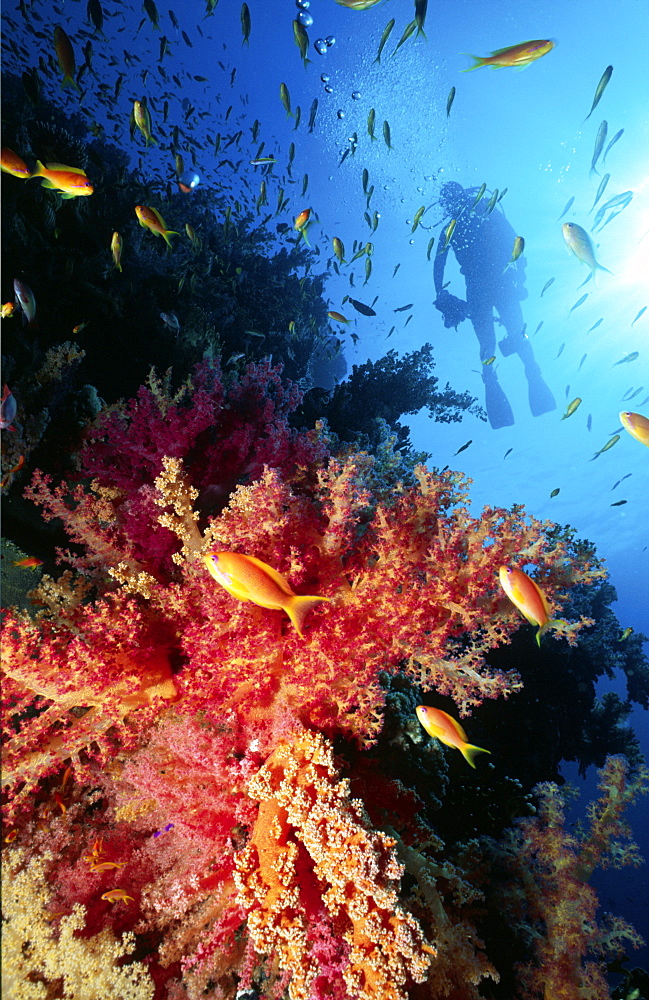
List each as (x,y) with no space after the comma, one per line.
(482,241)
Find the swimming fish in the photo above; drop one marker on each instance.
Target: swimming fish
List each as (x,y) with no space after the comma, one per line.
(339,249)
(643,310)
(301,223)
(449,101)
(70,181)
(616,137)
(627,358)
(555,493)
(448,731)
(463,448)
(578,240)
(150,218)
(116,245)
(26,300)
(619,503)
(546,286)
(117,896)
(8,409)
(627,632)
(636,425)
(609,444)
(600,139)
(250,579)
(387,136)
(408,31)
(601,87)
(448,234)
(142,119)
(301,39)
(579,302)
(384,37)
(11,163)
(361,307)
(600,190)
(65,56)
(528,598)
(519,55)
(519,246)
(285,98)
(574,405)
(338,317)
(358,4)
(569,203)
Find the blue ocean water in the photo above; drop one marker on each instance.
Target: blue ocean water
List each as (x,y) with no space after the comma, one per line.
(523,131)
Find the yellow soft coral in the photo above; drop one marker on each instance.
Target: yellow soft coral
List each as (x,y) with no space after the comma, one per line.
(34,956)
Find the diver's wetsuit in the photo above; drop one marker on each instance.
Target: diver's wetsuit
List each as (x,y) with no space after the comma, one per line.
(483,245)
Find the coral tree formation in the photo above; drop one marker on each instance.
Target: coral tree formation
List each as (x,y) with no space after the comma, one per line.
(200,788)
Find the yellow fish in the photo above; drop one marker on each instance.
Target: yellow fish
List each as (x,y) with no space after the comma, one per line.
(445,728)
(528,598)
(117,896)
(70,181)
(142,119)
(578,240)
(65,56)
(116,245)
(250,579)
(11,163)
(338,317)
(150,218)
(636,425)
(514,55)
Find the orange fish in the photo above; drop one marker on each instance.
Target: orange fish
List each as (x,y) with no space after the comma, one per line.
(636,425)
(11,163)
(65,55)
(7,310)
(117,896)
(250,579)
(339,318)
(514,55)
(150,218)
(528,598)
(445,728)
(301,223)
(104,866)
(70,181)
(28,561)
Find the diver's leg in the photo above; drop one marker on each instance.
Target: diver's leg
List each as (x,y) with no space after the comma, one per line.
(508,305)
(499,412)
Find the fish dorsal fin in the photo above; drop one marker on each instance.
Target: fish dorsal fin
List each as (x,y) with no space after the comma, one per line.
(62,166)
(276,577)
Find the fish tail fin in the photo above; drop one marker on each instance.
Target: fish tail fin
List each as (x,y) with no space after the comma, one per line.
(69,81)
(297,608)
(552,623)
(470,752)
(38,170)
(478,62)
(599,267)
(167,233)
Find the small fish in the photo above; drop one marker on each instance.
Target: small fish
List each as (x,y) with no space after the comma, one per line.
(627,358)
(491,204)
(601,87)
(508,452)
(116,245)
(618,503)
(600,190)
(312,114)
(582,361)
(643,310)
(117,896)
(105,866)
(595,325)
(65,56)
(171,321)
(615,485)
(555,493)
(261,161)
(479,195)
(599,144)
(71,182)
(7,310)
(538,328)
(150,218)
(301,39)
(429,248)
(95,14)
(627,632)
(517,250)
(384,37)
(8,409)
(26,300)
(463,448)
(579,302)
(636,425)
(368,269)
(448,234)
(448,731)
(629,394)
(339,249)
(11,836)
(421,7)
(408,31)
(11,163)
(576,403)
(250,579)
(616,138)
(152,13)
(358,4)
(567,208)
(301,223)
(490,360)
(560,351)
(79,327)
(528,597)
(285,98)
(361,307)
(546,286)
(609,444)
(386,135)
(401,309)
(338,317)
(371,121)
(28,562)
(518,55)
(578,240)
(142,119)
(589,422)
(417,219)
(449,101)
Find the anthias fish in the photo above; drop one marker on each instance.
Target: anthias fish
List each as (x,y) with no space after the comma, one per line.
(514,55)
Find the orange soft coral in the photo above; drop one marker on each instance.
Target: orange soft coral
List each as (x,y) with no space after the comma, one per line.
(312,839)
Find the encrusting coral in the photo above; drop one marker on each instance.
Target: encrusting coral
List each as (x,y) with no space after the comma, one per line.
(196,731)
